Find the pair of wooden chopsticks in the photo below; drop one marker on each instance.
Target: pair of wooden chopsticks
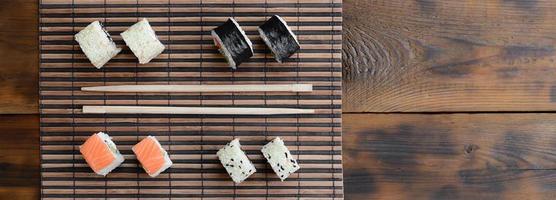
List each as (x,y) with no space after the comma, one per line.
(197,110)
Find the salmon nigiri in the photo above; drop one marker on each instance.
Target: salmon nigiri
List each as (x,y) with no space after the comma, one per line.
(101,153)
(152,156)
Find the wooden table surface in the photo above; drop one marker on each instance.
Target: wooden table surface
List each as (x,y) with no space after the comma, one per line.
(443,99)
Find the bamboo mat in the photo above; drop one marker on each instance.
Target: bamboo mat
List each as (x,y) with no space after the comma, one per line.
(192,140)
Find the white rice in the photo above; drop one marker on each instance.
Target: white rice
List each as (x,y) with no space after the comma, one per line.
(236,163)
(142,41)
(97,45)
(280,158)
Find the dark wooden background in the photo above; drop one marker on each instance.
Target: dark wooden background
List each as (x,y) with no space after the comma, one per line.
(443,99)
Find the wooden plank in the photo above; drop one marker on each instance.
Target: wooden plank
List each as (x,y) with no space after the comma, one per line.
(434,55)
(450,156)
(19,53)
(19,157)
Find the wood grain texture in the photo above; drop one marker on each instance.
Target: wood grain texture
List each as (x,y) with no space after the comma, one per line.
(19,57)
(450,156)
(433,55)
(19,157)
(423,55)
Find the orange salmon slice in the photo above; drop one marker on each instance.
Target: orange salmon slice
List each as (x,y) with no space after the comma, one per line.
(150,154)
(96,153)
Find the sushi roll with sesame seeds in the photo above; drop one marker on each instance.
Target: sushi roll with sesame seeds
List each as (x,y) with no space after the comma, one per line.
(236,163)
(280,158)
(279,38)
(232,43)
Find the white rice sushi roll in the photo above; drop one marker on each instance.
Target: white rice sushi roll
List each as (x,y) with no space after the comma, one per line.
(279,38)
(97,44)
(236,163)
(142,41)
(153,158)
(101,153)
(232,43)
(279,158)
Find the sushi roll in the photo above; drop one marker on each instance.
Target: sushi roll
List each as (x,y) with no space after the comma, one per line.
(235,161)
(97,44)
(280,158)
(153,158)
(232,43)
(279,38)
(101,153)
(142,41)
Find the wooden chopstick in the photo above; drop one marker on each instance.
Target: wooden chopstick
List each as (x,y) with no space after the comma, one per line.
(202,88)
(193,110)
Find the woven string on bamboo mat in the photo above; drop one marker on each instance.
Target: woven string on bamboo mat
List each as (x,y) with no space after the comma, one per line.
(191,140)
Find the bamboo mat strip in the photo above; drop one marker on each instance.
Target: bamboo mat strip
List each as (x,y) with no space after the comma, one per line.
(190,58)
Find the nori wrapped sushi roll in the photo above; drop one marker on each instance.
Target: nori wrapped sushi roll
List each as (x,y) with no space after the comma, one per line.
(232,43)
(279,38)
